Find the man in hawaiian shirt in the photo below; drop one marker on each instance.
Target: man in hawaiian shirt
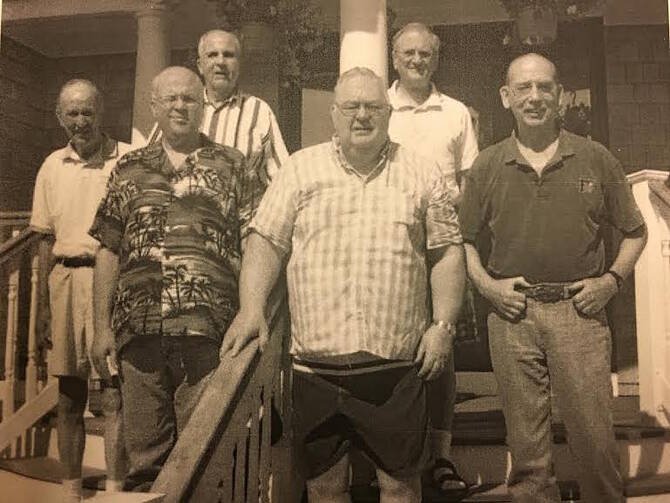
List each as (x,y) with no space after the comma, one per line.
(170,227)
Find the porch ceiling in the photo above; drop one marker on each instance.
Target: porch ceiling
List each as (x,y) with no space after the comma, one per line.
(59,33)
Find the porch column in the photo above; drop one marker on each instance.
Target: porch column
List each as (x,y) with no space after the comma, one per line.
(363,39)
(153,54)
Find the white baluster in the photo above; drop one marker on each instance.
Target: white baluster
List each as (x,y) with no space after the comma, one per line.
(31,368)
(10,342)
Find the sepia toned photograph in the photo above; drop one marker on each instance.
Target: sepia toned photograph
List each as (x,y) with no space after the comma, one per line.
(347,251)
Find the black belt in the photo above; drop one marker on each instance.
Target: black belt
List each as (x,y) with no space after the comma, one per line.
(547,292)
(74,262)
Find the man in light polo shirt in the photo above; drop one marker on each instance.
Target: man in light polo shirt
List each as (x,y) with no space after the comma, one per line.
(69,187)
(232,117)
(439,128)
(370,235)
(544,194)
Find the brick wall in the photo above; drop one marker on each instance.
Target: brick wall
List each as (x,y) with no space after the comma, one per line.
(638,95)
(23,110)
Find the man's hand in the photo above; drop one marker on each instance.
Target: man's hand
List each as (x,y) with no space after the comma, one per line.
(434,352)
(103,345)
(507,301)
(593,293)
(246,326)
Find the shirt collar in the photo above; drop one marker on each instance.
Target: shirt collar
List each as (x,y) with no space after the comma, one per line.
(342,162)
(234,98)
(401,104)
(512,155)
(109,149)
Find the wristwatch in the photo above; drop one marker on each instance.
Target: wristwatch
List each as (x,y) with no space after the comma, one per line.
(448,326)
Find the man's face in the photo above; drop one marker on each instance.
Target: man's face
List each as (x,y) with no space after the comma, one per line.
(79,115)
(532,93)
(219,62)
(360,114)
(414,59)
(177,106)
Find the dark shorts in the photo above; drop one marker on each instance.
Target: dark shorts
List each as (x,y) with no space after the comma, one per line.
(380,413)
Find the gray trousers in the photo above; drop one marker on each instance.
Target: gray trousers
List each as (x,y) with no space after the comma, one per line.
(162,379)
(555,349)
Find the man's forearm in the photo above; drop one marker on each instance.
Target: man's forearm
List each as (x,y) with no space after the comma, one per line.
(105,280)
(261,265)
(447,281)
(629,251)
(476,271)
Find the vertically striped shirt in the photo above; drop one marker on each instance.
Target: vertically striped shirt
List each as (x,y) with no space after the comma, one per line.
(247,123)
(357,274)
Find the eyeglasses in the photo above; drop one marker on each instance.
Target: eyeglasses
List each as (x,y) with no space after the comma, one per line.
(170,100)
(351,108)
(525,89)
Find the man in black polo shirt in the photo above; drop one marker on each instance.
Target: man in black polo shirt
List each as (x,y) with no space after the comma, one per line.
(545,194)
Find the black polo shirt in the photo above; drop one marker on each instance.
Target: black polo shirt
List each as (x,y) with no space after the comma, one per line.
(548,227)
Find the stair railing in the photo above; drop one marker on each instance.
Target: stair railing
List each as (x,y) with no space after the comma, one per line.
(225,452)
(25,396)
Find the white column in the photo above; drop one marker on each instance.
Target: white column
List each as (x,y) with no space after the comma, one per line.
(652,293)
(363,36)
(153,55)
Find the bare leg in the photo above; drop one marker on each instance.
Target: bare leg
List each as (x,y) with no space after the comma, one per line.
(398,490)
(115,453)
(332,486)
(72,395)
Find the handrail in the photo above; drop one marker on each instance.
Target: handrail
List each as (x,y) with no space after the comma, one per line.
(24,264)
(225,447)
(17,244)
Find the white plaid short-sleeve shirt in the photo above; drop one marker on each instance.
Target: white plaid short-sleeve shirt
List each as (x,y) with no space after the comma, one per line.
(357,274)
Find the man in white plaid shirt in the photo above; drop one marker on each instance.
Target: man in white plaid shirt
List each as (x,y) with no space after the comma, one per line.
(371,238)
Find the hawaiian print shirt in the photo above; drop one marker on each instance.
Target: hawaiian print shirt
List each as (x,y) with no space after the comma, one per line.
(177,233)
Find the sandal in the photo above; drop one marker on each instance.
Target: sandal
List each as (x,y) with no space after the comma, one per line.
(447,482)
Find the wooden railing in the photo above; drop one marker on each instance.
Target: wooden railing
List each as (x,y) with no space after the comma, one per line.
(26,396)
(652,297)
(12,222)
(225,452)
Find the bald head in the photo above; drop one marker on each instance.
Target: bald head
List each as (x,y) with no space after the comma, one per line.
(175,74)
(176,103)
(534,60)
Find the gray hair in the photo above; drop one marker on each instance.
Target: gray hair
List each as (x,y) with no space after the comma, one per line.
(203,37)
(80,83)
(361,71)
(418,28)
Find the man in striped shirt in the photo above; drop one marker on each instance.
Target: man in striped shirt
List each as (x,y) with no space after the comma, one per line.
(231,117)
(371,237)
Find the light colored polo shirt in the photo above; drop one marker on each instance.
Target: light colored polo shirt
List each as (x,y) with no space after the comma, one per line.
(440,129)
(67,193)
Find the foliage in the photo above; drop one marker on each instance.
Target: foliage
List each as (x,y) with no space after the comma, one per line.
(572,8)
(299,32)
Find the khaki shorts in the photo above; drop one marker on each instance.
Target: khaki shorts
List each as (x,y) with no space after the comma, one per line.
(71,298)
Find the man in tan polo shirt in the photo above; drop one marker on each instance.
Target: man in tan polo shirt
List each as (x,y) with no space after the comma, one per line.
(68,189)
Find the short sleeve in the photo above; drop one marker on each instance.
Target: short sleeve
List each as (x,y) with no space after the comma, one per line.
(469,148)
(471,210)
(110,219)
(441,220)
(276,214)
(276,152)
(40,218)
(622,210)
